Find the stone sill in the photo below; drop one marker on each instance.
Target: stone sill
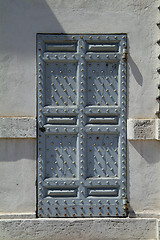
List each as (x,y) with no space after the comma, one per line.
(79,229)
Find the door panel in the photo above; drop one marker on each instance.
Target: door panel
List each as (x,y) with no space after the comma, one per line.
(102,84)
(81,125)
(102,155)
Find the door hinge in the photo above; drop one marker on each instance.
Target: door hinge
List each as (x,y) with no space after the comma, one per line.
(158,99)
(124,56)
(125,204)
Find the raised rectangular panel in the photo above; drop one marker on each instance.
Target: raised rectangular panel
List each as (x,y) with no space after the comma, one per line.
(103,192)
(61,120)
(61,160)
(61,47)
(102,83)
(104,120)
(62,193)
(102,155)
(102,48)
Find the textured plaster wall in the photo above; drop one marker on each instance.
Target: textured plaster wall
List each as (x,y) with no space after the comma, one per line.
(17,175)
(20,21)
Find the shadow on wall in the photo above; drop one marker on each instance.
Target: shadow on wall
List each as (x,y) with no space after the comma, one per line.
(135,71)
(134,74)
(147,150)
(133,68)
(13,150)
(22,19)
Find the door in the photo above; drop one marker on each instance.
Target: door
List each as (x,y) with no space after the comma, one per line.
(81,125)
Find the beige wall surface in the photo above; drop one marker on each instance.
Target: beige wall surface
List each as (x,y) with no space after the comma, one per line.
(20,21)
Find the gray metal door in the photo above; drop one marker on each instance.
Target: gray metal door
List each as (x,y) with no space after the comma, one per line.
(81,125)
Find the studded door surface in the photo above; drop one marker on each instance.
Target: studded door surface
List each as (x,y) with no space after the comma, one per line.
(81,125)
